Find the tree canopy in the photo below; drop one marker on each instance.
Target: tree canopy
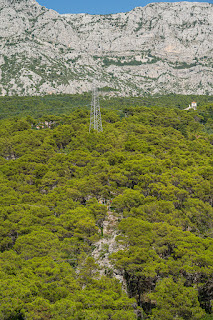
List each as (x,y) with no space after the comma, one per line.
(153,163)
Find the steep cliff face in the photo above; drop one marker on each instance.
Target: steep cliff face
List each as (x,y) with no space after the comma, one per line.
(161,48)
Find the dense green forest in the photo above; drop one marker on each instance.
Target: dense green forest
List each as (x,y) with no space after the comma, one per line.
(153,162)
(59,105)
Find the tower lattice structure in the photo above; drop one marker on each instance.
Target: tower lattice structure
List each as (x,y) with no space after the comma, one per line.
(95,112)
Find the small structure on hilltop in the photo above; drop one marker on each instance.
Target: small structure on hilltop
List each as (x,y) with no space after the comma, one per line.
(193,105)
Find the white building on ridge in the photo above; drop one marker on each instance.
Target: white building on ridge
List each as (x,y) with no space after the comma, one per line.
(193,105)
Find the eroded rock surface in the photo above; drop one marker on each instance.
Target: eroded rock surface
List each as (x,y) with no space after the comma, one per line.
(161,48)
(106,246)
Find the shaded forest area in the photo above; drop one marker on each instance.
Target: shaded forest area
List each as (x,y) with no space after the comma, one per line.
(60,105)
(154,161)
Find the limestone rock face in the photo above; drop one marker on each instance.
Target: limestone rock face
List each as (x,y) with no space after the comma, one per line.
(161,48)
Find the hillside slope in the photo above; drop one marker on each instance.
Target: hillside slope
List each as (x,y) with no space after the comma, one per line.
(161,48)
(80,209)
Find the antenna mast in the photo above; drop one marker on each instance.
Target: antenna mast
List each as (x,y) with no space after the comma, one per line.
(95,113)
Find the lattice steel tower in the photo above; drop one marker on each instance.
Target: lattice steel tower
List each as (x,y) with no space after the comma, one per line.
(95,113)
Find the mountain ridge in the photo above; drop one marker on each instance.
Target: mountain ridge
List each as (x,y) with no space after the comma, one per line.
(161,48)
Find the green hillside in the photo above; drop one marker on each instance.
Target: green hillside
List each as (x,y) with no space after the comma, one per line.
(153,163)
(39,106)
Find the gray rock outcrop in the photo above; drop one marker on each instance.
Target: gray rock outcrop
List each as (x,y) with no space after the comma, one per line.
(106,246)
(161,48)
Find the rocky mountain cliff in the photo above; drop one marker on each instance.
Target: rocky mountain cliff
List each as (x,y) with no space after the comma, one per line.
(161,48)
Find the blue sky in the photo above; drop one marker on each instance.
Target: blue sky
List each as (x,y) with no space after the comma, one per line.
(97,6)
